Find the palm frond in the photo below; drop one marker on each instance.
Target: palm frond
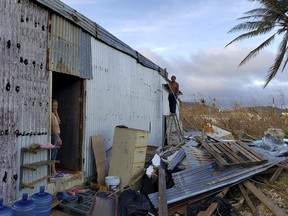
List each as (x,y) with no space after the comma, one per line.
(257,50)
(273,14)
(247,26)
(278,60)
(250,35)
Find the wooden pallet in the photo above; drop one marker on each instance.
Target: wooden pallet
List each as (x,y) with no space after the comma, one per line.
(233,153)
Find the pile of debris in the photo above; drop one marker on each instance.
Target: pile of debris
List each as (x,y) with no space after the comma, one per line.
(203,175)
(205,169)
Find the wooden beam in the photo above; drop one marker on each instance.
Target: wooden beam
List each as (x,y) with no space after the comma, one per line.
(265,200)
(283,166)
(276,174)
(162,199)
(268,183)
(247,199)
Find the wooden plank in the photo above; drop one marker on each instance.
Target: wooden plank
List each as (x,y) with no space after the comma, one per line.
(31,184)
(100,158)
(35,150)
(213,206)
(226,148)
(216,149)
(276,174)
(283,166)
(250,150)
(34,166)
(265,200)
(162,199)
(233,153)
(268,183)
(219,159)
(246,152)
(247,199)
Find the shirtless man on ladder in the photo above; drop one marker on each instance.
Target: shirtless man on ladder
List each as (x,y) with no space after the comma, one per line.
(173,92)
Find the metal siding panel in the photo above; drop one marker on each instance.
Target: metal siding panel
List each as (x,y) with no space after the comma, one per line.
(23,107)
(122,92)
(67,48)
(85,57)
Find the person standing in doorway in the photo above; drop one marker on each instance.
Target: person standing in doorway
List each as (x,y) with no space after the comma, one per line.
(55,134)
(173,92)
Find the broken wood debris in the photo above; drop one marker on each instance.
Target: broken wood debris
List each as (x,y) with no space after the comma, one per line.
(211,172)
(231,164)
(233,153)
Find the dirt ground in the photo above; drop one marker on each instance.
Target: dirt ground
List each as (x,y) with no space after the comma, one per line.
(58,212)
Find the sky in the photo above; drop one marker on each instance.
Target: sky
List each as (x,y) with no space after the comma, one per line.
(188,37)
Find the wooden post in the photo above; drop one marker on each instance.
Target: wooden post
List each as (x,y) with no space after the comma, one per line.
(162,199)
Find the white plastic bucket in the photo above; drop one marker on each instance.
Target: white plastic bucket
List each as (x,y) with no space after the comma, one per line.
(112,182)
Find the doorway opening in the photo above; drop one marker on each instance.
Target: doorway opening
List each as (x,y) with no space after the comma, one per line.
(68,91)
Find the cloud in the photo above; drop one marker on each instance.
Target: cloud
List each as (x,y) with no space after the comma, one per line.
(188,38)
(214,74)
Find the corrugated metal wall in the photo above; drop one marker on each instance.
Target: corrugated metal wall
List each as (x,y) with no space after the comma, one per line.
(69,48)
(24,86)
(122,92)
(126,88)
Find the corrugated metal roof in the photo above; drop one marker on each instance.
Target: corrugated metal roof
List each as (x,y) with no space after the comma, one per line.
(195,181)
(146,62)
(70,14)
(106,37)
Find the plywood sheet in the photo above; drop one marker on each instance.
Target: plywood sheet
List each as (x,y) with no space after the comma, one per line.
(100,158)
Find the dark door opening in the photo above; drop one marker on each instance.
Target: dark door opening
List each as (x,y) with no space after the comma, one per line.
(68,91)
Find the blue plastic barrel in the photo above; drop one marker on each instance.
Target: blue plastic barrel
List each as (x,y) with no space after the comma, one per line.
(4,210)
(24,207)
(43,202)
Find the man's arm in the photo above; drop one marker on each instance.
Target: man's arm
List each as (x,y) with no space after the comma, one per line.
(166,76)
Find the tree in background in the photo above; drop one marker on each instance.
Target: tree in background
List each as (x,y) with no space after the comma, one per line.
(272,18)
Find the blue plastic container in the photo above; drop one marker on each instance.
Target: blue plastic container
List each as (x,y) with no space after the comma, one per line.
(4,210)
(24,207)
(43,202)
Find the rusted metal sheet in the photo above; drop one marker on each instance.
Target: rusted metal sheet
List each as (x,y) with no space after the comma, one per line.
(24,90)
(69,48)
(78,20)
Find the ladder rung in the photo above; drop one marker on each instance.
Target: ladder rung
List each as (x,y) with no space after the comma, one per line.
(174,119)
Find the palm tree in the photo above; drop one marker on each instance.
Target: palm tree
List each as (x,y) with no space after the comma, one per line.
(271,17)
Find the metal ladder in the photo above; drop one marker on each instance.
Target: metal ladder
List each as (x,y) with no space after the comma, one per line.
(172,120)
